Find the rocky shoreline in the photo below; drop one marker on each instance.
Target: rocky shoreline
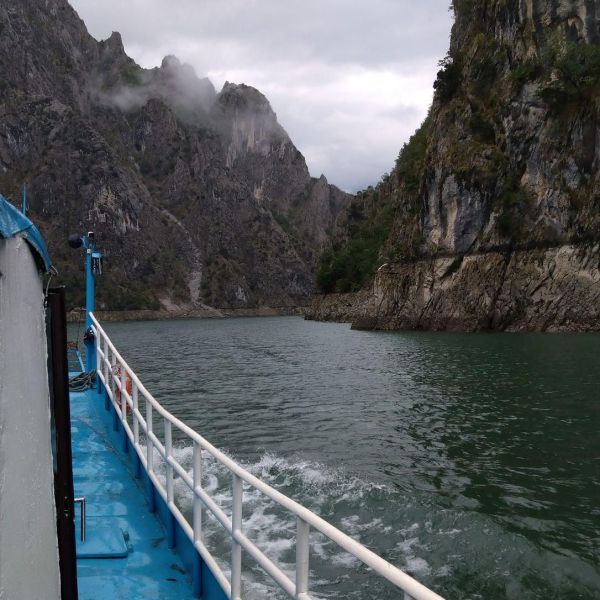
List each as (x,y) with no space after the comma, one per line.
(546,289)
(75,316)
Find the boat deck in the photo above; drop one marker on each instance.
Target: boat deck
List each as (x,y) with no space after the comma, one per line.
(136,562)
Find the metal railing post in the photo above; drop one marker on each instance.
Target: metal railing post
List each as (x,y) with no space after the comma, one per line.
(106,367)
(168,454)
(236,526)
(99,361)
(197,506)
(149,444)
(123,377)
(113,364)
(136,423)
(106,361)
(150,456)
(169,477)
(113,387)
(104,348)
(302,556)
(197,518)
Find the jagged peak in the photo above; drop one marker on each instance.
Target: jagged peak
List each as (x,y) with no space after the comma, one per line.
(241,89)
(114,42)
(171,66)
(171,62)
(244,97)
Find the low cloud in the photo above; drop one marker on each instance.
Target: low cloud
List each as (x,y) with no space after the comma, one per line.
(175,83)
(350,81)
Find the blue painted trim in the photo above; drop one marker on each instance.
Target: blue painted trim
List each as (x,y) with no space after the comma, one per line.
(24,206)
(204,583)
(14,223)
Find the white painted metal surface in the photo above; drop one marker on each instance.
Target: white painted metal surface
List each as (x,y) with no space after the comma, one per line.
(28,544)
(114,373)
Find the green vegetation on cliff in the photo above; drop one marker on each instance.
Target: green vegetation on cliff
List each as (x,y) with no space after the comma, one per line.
(574,75)
(488,169)
(351,262)
(345,269)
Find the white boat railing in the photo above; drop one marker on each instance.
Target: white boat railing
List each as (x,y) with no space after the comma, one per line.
(116,374)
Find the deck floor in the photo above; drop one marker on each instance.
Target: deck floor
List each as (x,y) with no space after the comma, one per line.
(116,503)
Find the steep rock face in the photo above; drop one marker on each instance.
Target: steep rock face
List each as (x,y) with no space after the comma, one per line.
(506,159)
(197,197)
(259,148)
(552,289)
(496,200)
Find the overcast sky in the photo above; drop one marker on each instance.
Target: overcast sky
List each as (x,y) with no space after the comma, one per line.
(350,80)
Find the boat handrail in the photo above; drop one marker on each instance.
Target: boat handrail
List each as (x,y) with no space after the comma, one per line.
(115,374)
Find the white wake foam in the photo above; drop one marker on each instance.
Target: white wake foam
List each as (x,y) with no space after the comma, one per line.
(331,493)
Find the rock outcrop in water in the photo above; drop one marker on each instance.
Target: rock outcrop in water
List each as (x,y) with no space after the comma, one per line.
(491,217)
(199,198)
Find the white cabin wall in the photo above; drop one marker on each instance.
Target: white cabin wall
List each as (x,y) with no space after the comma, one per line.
(28,544)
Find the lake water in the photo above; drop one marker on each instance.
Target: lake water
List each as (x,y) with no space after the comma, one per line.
(472,461)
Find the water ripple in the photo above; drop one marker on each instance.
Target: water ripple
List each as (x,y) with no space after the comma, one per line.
(472,461)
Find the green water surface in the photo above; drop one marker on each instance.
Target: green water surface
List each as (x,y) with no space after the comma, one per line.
(470,460)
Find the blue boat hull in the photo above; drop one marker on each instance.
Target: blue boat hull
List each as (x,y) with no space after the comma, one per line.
(160,561)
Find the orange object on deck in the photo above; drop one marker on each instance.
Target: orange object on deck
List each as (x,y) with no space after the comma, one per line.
(128,387)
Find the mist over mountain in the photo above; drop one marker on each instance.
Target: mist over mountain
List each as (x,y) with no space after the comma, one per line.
(197,197)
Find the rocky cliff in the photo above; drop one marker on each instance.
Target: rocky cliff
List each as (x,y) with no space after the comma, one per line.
(491,217)
(197,197)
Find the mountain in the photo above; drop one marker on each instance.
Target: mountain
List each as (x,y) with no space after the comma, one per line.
(197,197)
(490,218)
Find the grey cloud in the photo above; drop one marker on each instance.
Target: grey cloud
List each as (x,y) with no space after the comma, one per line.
(401,112)
(349,80)
(342,31)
